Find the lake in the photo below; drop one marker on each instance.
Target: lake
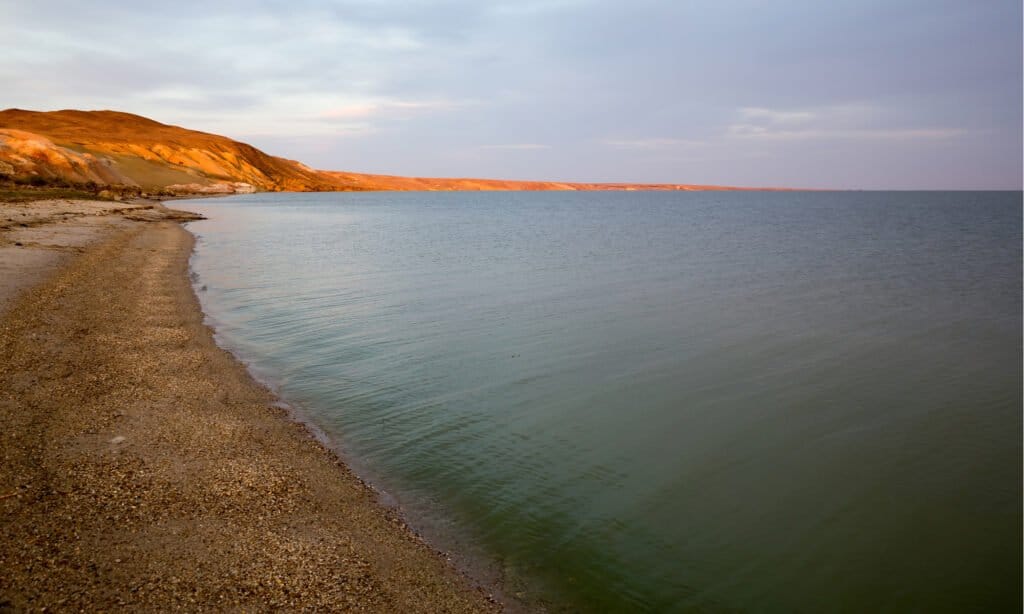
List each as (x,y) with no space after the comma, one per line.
(657,401)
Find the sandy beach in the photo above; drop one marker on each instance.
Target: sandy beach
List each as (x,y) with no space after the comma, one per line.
(143,469)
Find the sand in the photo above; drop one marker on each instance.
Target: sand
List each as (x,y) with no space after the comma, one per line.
(36,237)
(143,469)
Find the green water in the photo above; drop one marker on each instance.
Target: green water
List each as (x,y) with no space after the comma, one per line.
(658,401)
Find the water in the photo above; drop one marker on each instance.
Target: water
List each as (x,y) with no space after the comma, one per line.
(659,401)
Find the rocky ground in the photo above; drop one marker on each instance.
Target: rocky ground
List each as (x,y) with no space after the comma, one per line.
(143,469)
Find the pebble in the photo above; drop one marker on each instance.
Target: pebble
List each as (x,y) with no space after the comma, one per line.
(232,500)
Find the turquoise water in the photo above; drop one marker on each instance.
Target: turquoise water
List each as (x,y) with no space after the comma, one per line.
(658,401)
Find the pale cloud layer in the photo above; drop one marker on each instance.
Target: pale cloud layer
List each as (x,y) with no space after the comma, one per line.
(517,146)
(854,93)
(654,142)
(833,123)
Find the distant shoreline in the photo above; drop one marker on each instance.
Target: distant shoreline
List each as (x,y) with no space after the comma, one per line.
(124,152)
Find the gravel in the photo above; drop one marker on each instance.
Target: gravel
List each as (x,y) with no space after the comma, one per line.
(143,469)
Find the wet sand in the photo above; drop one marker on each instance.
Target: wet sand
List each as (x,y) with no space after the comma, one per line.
(143,469)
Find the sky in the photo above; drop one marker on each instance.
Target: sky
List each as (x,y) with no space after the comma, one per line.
(863,94)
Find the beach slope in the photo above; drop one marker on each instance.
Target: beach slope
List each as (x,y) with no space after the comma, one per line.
(144,470)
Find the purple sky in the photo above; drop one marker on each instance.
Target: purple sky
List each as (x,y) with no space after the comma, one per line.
(841,94)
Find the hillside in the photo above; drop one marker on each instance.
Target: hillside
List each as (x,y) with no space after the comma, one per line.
(363,181)
(110,148)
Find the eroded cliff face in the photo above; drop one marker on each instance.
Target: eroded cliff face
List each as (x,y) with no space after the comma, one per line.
(25,153)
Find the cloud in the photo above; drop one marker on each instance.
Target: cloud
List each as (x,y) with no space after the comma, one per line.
(532,8)
(517,146)
(643,91)
(352,111)
(393,109)
(759,132)
(776,117)
(650,143)
(835,122)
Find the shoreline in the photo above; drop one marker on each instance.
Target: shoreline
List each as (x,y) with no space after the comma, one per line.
(457,548)
(145,468)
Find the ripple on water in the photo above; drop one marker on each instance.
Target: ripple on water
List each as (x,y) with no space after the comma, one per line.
(659,401)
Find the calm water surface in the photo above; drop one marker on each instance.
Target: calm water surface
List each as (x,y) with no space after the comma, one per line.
(659,401)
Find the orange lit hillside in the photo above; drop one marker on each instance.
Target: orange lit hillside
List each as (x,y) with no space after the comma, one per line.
(110,147)
(113,147)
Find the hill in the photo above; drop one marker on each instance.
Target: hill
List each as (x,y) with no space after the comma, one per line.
(111,148)
(108,147)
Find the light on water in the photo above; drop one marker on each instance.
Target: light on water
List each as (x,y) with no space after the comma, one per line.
(659,401)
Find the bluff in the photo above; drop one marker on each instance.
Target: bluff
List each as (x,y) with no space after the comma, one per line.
(111,148)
